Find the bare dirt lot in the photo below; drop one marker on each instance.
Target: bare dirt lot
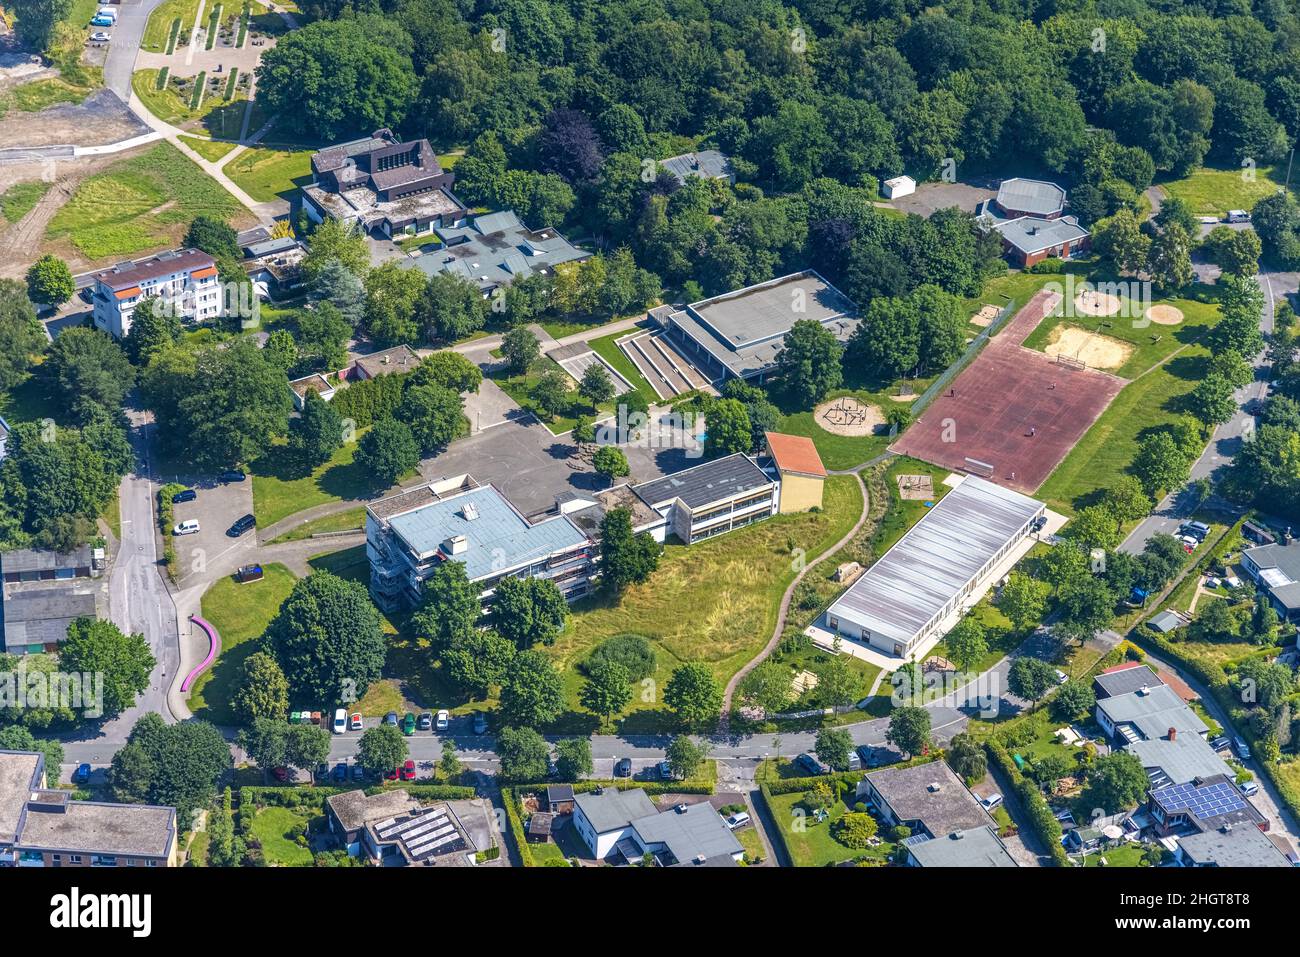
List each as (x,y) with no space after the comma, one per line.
(100,119)
(847,416)
(1165,315)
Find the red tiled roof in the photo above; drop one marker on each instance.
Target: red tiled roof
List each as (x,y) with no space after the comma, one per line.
(204,273)
(187,260)
(1124,667)
(795,453)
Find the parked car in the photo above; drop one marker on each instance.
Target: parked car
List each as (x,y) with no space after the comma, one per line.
(1197,530)
(1249,788)
(232,475)
(738,820)
(322,771)
(992,801)
(408,770)
(244,523)
(408,724)
(99,36)
(1221,743)
(184,495)
(392,775)
(354,722)
(1242,749)
(81,775)
(425,722)
(249,573)
(623,768)
(340,721)
(444,720)
(341,771)
(855,761)
(188,527)
(101,22)
(358,773)
(1061,677)
(391,718)
(809,764)
(480,723)
(280,774)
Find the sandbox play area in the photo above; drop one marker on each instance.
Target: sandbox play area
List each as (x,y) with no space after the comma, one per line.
(1165,315)
(1090,302)
(1092,349)
(848,416)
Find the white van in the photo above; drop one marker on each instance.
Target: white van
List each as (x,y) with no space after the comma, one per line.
(737,820)
(188,527)
(110,12)
(1238,216)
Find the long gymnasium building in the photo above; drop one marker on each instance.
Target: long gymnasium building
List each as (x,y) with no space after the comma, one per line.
(903,598)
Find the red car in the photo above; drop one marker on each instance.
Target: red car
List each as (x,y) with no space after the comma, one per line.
(408,771)
(280,774)
(391,775)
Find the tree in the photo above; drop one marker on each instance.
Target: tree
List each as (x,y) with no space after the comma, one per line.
(1049,769)
(381,749)
(387,452)
(16,738)
(332,283)
(88,367)
(625,558)
(480,661)
(768,688)
(1031,678)
(21,333)
(154,326)
(967,643)
(1023,600)
(966,757)
(214,237)
(809,362)
(1115,782)
(573,759)
(1121,240)
(49,281)
(1096,526)
(855,829)
(524,755)
(450,608)
(1073,700)
(452,308)
(633,652)
(909,729)
(316,434)
(393,296)
(328,639)
(693,695)
(686,757)
(448,370)
(1126,499)
(610,462)
(262,690)
(1212,400)
(233,406)
(833,748)
(607,689)
(1169,261)
(449,764)
(1160,464)
(306,746)
(520,348)
(529,611)
(337,242)
(838,685)
(174,765)
(95,646)
(729,428)
(335,77)
(551,391)
(532,693)
(434,414)
(38,20)
(596,385)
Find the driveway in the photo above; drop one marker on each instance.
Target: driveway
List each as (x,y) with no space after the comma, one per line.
(132,15)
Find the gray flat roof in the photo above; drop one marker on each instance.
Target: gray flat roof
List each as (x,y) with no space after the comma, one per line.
(706,164)
(705,484)
(1184,759)
(498,537)
(694,832)
(951,807)
(42,559)
(1034,196)
(743,330)
(935,559)
(495,249)
(94,827)
(1030,234)
(1244,846)
(612,809)
(355,809)
(1152,713)
(1126,680)
(1279,571)
(41,615)
(18,778)
(974,847)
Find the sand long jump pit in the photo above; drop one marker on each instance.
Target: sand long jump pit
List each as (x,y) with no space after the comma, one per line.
(1090,348)
(1014,413)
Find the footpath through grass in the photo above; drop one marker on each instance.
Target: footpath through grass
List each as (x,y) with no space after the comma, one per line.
(21,198)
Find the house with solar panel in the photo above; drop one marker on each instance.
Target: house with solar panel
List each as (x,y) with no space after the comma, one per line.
(492,250)
(410,534)
(1200,805)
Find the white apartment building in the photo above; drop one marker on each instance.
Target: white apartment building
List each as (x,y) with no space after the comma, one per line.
(186,278)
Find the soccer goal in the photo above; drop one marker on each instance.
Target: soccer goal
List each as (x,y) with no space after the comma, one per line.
(1070,362)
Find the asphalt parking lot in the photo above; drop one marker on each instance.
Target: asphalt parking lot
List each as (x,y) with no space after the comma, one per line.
(216,508)
(930,197)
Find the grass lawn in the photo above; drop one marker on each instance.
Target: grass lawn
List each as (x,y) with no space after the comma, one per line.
(38,94)
(751,842)
(354,519)
(215,114)
(139,204)
(810,842)
(520,388)
(211,150)
(198,848)
(240,613)
(1124,855)
(606,348)
(839,451)
(159,27)
(1212,192)
(272,826)
(1001,637)
(732,583)
(278,494)
(20,198)
(270,174)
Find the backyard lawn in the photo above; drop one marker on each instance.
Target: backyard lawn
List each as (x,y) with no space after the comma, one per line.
(240,613)
(139,204)
(810,842)
(272,826)
(270,174)
(732,585)
(1212,192)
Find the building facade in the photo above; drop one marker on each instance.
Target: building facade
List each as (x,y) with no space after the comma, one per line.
(186,281)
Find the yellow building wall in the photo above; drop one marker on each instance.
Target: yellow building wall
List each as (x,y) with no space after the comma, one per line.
(800,493)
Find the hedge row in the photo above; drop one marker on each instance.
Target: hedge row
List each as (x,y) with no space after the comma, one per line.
(369,400)
(1041,820)
(300,796)
(244,18)
(214,21)
(160,83)
(171,38)
(794,785)
(230,84)
(200,84)
(765,795)
(166,517)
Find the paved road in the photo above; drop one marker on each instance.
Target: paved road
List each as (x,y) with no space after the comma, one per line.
(132,15)
(1227,439)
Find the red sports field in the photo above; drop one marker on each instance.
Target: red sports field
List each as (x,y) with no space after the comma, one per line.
(1016,409)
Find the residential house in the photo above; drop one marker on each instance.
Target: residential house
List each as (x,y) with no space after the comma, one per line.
(1124,679)
(186,281)
(928,799)
(559,798)
(974,847)
(392,828)
(394,361)
(1202,804)
(1229,847)
(1147,714)
(310,383)
(625,825)
(44,827)
(1276,571)
(705,164)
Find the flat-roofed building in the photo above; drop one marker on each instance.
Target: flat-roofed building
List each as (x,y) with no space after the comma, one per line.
(1276,570)
(973,847)
(927,798)
(924,578)
(711,498)
(186,281)
(705,164)
(410,534)
(738,334)
(44,827)
(43,592)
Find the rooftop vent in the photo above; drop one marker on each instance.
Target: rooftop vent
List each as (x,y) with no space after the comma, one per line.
(1173,734)
(469,512)
(680,808)
(1144,690)
(934,787)
(456,545)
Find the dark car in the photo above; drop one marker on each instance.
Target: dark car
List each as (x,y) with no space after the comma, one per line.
(340,771)
(232,475)
(623,768)
(480,723)
(82,774)
(358,773)
(391,718)
(322,771)
(242,524)
(184,495)
(810,765)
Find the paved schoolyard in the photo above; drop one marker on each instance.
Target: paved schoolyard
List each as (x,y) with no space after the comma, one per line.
(930,197)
